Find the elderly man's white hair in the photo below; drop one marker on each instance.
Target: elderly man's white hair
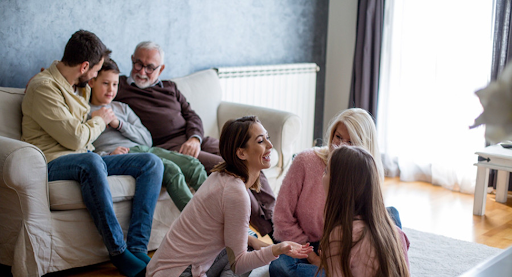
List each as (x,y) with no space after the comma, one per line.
(151,46)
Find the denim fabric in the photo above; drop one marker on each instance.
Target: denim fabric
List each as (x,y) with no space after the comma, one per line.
(286,266)
(393,213)
(91,171)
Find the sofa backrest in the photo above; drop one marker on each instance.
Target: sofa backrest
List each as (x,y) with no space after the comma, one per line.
(10,112)
(203,91)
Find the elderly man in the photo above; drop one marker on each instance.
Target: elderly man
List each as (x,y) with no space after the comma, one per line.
(175,126)
(55,110)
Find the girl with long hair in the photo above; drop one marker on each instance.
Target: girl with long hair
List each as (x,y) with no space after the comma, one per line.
(299,211)
(359,237)
(217,217)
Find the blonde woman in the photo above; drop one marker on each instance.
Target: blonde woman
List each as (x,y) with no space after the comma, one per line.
(360,239)
(298,215)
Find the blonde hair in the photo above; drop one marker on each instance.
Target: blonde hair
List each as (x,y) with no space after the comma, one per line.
(362,131)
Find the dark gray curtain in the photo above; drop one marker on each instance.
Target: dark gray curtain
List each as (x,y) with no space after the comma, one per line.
(501,52)
(365,72)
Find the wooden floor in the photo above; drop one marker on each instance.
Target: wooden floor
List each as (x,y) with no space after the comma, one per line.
(434,209)
(422,207)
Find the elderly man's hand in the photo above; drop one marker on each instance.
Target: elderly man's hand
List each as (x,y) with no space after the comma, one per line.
(191,147)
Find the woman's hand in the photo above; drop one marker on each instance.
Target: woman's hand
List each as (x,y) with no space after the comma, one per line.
(314,259)
(292,249)
(256,244)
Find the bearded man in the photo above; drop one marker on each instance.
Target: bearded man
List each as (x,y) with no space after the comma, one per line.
(55,119)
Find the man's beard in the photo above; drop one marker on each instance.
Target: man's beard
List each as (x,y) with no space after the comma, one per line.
(140,85)
(82,82)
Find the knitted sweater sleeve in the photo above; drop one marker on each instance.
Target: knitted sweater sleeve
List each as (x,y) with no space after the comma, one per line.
(286,225)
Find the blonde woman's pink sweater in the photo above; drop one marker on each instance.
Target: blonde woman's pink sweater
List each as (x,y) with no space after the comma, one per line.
(217,217)
(298,214)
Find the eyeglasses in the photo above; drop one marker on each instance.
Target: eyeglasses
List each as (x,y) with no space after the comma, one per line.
(139,66)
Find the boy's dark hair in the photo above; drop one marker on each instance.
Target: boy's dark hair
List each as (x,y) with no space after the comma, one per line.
(109,65)
(84,46)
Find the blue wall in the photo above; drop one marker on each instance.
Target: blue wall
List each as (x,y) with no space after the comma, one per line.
(195,34)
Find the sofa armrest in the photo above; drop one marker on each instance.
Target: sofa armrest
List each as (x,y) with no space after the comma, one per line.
(282,127)
(24,202)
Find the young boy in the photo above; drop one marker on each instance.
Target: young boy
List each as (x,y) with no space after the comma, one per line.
(126,134)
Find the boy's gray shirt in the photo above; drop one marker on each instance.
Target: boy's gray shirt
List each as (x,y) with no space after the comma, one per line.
(131,133)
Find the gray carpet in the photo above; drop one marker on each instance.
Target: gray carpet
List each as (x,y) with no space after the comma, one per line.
(434,256)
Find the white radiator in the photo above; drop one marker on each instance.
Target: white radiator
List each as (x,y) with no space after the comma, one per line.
(287,87)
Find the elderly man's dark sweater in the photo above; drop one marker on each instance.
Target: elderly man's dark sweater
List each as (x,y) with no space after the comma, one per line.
(163,110)
(170,120)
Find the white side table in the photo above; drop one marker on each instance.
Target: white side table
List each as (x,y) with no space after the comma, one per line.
(498,158)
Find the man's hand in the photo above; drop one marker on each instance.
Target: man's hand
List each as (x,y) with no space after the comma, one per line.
(114,123)
(292,249)
(120,150)
(191,147)
(314,259)
(105,113)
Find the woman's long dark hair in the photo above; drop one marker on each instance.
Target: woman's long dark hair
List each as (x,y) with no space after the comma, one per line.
(354,190)
(234,135)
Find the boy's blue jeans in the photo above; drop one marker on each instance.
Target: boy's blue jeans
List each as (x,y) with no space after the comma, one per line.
(91,171)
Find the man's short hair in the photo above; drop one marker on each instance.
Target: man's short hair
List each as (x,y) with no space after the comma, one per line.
(151,46)
(84,46)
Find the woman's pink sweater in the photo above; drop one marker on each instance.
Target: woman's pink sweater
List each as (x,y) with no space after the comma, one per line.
(217,217)
(299,210)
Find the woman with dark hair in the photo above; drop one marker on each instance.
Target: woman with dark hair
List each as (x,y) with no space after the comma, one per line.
(217,217)
(359,237)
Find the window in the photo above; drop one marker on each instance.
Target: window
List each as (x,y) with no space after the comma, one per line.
(435,55)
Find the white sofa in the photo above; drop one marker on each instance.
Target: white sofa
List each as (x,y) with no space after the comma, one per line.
(45,227)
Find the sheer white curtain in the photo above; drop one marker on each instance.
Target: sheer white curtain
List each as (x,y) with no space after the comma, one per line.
(435,55)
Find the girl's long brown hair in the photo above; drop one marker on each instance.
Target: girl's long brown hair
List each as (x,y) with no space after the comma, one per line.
(354,190)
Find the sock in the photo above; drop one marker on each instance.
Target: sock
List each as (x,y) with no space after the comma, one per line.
(127,263)
(142,256)
(252,233)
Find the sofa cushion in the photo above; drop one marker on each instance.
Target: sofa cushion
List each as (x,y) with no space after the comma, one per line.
(66,195)
(10,107)
(203,91)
